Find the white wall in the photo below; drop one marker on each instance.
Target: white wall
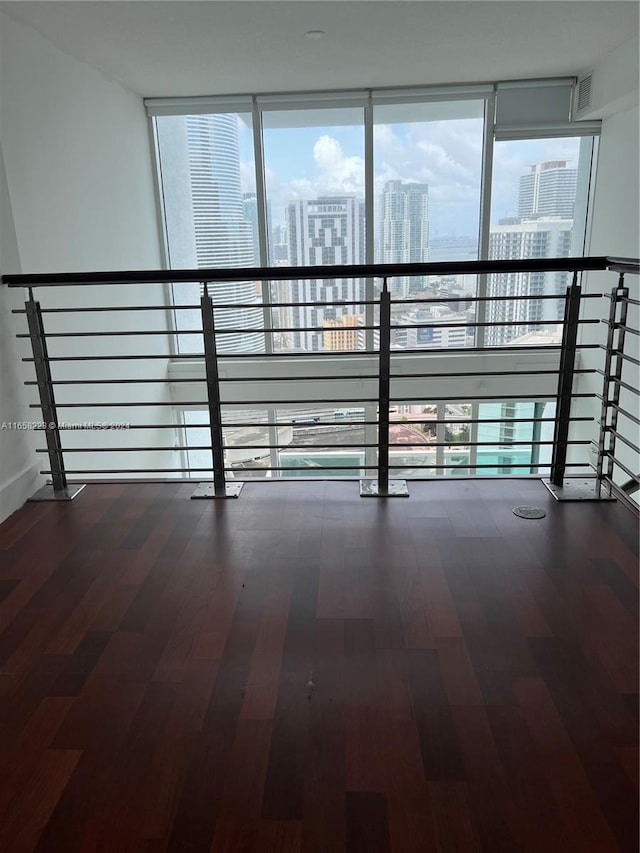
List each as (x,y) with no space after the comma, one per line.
(616,223)
(80,190)
(78,164)
(18,468)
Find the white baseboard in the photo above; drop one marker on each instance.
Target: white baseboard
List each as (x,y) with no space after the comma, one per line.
(15,491)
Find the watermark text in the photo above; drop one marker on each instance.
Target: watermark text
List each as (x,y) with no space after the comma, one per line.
(51,425)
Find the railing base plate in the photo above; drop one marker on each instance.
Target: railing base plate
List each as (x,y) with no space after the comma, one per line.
(397,489)
(577,489)
(207,490)
(47,493)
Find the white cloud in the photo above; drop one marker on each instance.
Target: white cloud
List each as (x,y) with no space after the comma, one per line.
(447,155)
(247,176)
(338,173)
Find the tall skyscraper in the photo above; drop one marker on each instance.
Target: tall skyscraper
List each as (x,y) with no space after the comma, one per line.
(223,238)
(250,211)
(327,230)
(280,242)
(549,189)
(542,229)
(539,238)
(405,228)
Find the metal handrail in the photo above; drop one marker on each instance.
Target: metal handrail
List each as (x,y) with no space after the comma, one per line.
(306,273)
(385,272)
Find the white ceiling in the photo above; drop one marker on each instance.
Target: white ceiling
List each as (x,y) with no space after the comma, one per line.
(174,48)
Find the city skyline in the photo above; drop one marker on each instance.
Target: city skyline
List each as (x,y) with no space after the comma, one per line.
(403,236)
(464,239)
(329,160)
(324,231)
(207,226)
(329,229)
(542,229)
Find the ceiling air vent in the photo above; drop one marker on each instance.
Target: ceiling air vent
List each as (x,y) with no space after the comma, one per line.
(583,94)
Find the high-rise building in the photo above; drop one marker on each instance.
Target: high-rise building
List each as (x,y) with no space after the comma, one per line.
(549,189)
(223,237)
(435,334)
(278,243)
(542,229)
(405,228)
(327,230)
(343,333)
(250,212)
(539,238)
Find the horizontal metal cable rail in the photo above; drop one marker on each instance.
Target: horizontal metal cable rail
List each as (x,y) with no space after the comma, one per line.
(283,356)
(444,434)
(445,300)
(329,377)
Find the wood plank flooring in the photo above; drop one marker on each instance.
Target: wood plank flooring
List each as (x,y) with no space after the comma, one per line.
(305,670)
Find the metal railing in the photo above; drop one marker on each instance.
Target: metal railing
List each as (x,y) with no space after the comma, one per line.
(383,377)
(620,410)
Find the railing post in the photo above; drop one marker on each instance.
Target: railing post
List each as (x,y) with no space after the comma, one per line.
(219,487)
(565,382)
(607,448)
(384,487)
(383,390)
(59,488)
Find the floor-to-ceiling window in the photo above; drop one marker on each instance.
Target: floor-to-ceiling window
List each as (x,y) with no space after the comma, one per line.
(315,205)
(388,176)
(427,178)
(538,209)
(207,173)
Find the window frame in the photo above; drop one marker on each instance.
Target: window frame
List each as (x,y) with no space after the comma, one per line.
(258,104)
(559,123)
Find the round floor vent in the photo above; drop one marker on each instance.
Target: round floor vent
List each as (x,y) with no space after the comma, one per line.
(529,512)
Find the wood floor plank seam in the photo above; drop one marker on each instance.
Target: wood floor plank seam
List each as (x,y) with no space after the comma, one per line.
(302,671)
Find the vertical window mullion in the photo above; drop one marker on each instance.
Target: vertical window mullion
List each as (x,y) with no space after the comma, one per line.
(485,212)
(473,438)
(370,430)
(369,209)
(265,260)
(441,430)
(161,218)
(261,205)
(584,190)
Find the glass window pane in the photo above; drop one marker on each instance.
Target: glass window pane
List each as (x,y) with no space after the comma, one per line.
(427,170)
(538,208)
(516,436)
(314,172)
(208,187)
(312,441)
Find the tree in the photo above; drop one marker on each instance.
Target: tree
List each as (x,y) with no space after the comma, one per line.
(430,430)
(460,436)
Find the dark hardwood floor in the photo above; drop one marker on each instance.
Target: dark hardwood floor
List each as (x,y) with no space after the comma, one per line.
(305,670)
